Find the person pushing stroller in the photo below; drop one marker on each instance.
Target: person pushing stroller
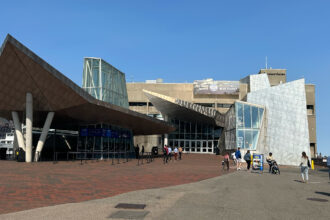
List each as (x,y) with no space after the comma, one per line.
(273,167)
(269,160)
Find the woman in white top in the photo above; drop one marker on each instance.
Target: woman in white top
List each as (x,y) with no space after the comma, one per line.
(304,167)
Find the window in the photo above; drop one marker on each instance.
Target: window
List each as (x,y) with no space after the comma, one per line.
(220,105)
(210,105)
(137,104)
(248,121)
(310,109)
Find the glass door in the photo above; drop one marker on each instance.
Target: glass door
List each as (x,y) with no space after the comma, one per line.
(192,146)
(210,147)
(198,144)
(204,146)
(187,146)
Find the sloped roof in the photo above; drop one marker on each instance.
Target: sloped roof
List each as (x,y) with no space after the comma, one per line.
(22,71)
(181,109)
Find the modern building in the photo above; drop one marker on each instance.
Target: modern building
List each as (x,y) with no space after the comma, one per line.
(261,112)
(58,115)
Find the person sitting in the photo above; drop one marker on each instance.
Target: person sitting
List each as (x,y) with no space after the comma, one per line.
(269,160)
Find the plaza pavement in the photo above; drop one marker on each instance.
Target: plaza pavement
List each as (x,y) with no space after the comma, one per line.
(237,195)
(26,186)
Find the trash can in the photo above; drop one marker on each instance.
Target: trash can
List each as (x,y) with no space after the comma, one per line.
(3,153)
(20,155)
(154,150)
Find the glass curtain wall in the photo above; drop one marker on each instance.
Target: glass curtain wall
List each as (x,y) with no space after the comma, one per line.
(248,123)
(104,82)
(103,140)
(194,137)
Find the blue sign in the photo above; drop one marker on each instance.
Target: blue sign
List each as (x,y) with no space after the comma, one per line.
(103,132)
(84,132)
(106,133)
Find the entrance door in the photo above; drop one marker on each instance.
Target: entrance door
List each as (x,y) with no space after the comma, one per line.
(187,146)
(204,146)
(193,146)
(210,147)
(198,146)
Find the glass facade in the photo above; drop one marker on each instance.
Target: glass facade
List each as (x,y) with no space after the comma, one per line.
(248,124)
(104,140)
(104,82)
(194,137)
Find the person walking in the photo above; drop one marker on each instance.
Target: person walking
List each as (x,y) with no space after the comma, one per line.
(165,153)
(226,160)
(247,158)
(238,158)
(142,151)
(137,150)
(176,153)
(169,152)
(304,167)
(180,153)
(234,158)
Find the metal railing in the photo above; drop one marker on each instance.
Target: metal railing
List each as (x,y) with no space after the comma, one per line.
(147,156)
(118,157)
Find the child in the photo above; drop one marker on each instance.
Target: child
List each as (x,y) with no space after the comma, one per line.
(226,159)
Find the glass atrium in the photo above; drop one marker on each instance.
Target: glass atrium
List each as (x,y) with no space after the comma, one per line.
(248,124)
(104,82)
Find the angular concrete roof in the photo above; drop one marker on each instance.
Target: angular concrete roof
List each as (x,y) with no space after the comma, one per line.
(185,110)
(22,71)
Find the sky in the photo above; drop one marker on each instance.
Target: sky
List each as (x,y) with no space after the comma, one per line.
(181,41)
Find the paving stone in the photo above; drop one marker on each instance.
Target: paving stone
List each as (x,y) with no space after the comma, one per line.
(129,214)
(25,186)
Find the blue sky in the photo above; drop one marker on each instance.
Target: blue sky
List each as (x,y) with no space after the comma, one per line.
(181,41)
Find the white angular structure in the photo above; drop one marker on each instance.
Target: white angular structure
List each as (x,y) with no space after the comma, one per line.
(287,133)
(256,82)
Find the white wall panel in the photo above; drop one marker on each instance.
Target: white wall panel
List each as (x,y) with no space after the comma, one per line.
(287,127)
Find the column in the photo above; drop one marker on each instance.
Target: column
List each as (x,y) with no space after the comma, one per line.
(43,135)
(29,121)
(166,135)
(18,130)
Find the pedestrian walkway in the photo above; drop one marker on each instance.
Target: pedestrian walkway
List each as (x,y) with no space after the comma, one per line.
(25,186)
(238,195)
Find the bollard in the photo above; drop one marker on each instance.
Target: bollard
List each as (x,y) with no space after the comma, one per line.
(312,165)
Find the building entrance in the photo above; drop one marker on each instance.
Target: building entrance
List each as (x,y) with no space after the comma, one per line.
(194,137)
(194,146)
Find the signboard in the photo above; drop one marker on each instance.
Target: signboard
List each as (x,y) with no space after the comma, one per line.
(210,86)
(258,162)
(103,132)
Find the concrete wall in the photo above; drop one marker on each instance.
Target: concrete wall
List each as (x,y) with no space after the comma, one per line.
(182,91)
(310,99)
(275,76)
(148,141)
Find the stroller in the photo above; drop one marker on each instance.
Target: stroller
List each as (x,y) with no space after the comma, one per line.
(274,169)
